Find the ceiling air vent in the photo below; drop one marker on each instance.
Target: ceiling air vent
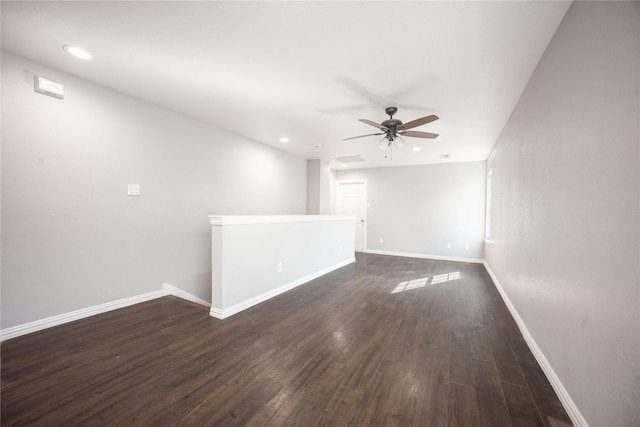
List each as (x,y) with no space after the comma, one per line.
(351,159)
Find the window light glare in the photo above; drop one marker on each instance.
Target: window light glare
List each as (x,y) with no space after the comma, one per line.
(284,139)
(77,52)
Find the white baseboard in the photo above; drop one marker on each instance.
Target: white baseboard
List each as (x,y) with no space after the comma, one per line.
(571,408)
(237,308)
(425,256)
(168,289)
(49,322)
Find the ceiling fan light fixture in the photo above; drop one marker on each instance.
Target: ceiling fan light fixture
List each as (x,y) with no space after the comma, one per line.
(387,141)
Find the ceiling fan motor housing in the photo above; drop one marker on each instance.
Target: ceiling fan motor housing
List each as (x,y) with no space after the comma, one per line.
(391,124)
(392,127)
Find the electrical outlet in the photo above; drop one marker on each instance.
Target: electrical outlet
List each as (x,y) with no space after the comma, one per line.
(381,240)
(448,245)
(279,267)
(133,189)
(466,246)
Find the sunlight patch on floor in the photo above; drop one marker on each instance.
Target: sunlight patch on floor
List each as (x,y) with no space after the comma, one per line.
(421,283)
(411,284)
(447,277)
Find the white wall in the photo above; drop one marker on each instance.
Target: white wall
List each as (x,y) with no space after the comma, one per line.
(248,250)
(419,209)
(72,238)
(566,209)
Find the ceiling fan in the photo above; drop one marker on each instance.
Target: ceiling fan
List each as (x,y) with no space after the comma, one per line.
(393,129)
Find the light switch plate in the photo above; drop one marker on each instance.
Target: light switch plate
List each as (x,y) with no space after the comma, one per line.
(133,189)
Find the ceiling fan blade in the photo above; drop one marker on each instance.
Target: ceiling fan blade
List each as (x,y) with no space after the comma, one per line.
(418,122)
(372,123)
(417,134)
(362,136)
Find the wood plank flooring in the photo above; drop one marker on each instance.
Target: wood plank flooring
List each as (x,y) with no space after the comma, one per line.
(386,341)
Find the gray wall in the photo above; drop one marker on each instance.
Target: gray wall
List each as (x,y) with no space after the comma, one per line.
(72,238)
(319,189)
(566,209)
(419,209)
(313,187)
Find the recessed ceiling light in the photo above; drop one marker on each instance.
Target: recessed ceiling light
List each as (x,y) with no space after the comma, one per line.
(77,52)
(344,166)
(417,148)
(284,139)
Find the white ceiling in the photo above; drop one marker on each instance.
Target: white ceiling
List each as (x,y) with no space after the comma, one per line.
(306,70)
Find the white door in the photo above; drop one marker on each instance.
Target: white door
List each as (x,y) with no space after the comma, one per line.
(351,199)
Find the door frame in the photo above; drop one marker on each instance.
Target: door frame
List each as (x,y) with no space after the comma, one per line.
(366,204)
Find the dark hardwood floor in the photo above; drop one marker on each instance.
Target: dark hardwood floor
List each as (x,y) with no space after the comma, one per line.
(384,341)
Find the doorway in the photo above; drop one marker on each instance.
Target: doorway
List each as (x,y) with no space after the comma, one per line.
(351,199)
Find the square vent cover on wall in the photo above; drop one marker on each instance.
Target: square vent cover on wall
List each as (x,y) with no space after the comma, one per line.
(48,87)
